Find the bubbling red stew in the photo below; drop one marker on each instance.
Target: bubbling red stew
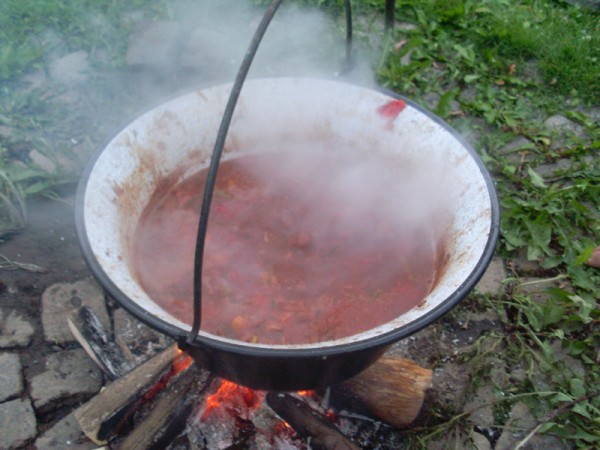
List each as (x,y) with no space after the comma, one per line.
(299,249)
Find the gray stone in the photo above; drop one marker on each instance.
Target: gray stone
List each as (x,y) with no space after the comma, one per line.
(203,54)
(540,442)
(62,164)
(488,314)
(66,433)
(35,80)
(563,128)
(520,421)
(561,123)
(154,44)
(407,59)
(518,150)
(453,381)
(11,379)
(524,265)
(71,69)
(495,274)
(480,404)
(517,375)
(572,367)
(69,375)
(42,161)
(480,442)
(5,132)
(405,26)
(452,439)
(17,423)
(498,374)
(594,112)
(62,299)
(199,51)
(15,331)
(135,338)
(430,100)
(549,170)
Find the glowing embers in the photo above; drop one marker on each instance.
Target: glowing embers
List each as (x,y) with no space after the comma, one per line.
(236,416)
(234,399)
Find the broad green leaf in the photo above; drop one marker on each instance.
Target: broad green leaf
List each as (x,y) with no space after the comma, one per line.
(585,308)
(561,397)
(443,106)
(582,409)
(577,388)
(471,77)
(540,231)
(466,53)
(536,179)
(584,255)
(551,313)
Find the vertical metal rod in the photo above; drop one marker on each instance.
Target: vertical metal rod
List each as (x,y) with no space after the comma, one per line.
(348,9)
(390,8)
(214,163)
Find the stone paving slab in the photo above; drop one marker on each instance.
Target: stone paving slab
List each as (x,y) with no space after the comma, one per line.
(11,378)
(69,375)
(491,282)
(536,288)
(65,434)
(481,405)
(15,330)
(17,423)
(62,299)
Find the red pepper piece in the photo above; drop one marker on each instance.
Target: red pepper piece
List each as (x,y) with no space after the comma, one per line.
(392,108)
(224,210)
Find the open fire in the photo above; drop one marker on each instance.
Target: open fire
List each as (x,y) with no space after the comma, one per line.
(235,416)
(170,402)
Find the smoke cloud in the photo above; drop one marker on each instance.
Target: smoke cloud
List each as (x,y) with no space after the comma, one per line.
(210,38)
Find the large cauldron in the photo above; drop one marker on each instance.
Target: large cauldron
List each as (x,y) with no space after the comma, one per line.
(178,136)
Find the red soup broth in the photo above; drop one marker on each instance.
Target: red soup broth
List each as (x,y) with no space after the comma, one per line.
(298,250)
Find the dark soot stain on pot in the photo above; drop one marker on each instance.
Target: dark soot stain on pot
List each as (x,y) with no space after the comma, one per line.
(299,249)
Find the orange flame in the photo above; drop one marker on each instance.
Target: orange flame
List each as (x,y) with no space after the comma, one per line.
(305,393)
(234,398)
(181,362)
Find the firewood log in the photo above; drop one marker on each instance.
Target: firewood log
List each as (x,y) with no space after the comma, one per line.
(392,389)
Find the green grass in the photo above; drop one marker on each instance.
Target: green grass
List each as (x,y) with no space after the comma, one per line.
(32,30)
(502,67)
(32,33)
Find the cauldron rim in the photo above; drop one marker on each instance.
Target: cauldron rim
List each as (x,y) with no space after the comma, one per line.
(295,352)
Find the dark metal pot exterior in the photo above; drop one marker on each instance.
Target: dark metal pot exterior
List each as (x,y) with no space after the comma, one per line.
(283,373)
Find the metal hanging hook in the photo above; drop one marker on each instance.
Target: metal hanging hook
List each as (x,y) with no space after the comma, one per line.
(216,158)
(220,142)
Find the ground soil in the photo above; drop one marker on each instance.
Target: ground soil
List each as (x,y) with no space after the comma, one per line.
(50,242)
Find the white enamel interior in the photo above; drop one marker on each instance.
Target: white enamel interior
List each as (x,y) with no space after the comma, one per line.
(179,136)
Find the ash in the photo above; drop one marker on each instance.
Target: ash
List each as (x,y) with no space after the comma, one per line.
(234,424)
(368,433)
(240,428)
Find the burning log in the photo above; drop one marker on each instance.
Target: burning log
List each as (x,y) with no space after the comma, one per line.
(308,422)
(89,332)
(105,413)
(392,389)
(170,412)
